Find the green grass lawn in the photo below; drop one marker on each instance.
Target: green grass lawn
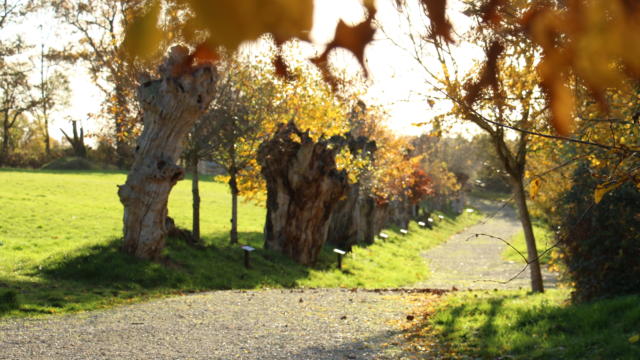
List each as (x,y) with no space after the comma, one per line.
(515,325)
(544,240)
(60,232)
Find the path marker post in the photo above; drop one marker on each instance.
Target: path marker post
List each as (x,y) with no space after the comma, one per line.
(247,250)
(340,254)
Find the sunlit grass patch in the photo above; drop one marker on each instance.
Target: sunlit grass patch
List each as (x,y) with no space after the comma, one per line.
(543,326)
(60,235)
(393,262)
(544,240)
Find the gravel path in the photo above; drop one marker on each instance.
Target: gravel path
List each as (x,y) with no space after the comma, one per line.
(475,263)
(270,324)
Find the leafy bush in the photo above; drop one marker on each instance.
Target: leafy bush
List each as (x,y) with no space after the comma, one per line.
(8,301)
(76,163)
(601,242)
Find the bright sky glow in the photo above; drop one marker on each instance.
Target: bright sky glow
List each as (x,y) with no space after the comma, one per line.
(396,81)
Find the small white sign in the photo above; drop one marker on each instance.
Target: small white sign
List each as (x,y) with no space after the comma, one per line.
(469,210)
(384,236)
(430,220)
(404,231)
(338,251)
(422,223)
(247,248)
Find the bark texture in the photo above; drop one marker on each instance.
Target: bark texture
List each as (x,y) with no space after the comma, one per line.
(353,218)
(171,105)
(356,220)
(303,187)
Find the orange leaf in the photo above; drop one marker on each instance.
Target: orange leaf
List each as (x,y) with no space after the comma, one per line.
(204,53)
(352,38)
(489,75)
(490,11)
(436,10)
(561,101)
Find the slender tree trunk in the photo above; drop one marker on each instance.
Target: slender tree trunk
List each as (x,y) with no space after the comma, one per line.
(233,185)
(47,140)
(4,152)
(195,190)
(171,105)
(525,219)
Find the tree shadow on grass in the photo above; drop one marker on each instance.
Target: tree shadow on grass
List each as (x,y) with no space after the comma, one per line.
(497,327)
(100,275)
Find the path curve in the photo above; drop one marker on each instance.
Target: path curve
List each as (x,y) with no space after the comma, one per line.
(469,262)
(268,324)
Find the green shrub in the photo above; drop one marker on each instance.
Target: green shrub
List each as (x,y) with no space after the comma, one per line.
(8,301)
(601,242)
(75,163)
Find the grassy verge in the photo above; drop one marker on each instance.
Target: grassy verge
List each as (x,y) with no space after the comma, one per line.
(59,239)
(513,324)
(544,239)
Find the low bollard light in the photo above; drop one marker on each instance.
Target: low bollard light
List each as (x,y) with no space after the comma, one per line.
(340,254)
(404,231)
(422,223)
(247,250)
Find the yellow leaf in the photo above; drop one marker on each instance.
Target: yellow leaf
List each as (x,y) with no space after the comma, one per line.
(635,338)
(142,36)
(534,187)
(603,189)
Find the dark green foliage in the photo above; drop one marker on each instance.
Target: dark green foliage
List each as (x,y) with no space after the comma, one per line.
(75,163)
(601,242)
(8,300)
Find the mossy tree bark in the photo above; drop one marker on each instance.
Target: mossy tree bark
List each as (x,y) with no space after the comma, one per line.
(171,105)
(303,186)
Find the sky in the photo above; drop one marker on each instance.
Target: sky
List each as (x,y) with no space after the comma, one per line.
(395,80)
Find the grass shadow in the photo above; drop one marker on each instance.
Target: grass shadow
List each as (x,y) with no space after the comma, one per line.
(538,326)
(101,275)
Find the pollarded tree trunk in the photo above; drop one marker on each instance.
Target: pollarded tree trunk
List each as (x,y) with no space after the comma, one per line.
(171,105)
(344,224)
(303,186)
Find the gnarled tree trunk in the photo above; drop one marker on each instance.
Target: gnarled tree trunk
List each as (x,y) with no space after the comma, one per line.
(303,186)
(171,105)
